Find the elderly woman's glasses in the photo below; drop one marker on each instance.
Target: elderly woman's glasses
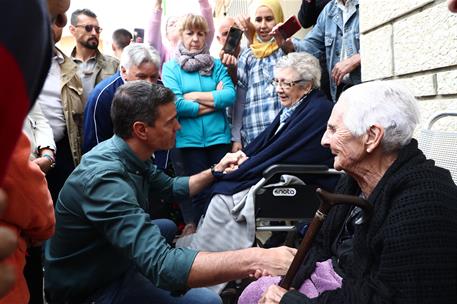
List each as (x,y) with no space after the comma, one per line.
(89,27)
(285,84)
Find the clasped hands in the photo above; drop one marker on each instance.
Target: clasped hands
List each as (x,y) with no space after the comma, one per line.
(231,161)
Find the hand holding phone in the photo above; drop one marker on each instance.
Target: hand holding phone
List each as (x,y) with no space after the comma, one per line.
(233,40)
(290,27)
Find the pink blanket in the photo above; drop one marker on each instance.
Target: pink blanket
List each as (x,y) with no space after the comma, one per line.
(323,278)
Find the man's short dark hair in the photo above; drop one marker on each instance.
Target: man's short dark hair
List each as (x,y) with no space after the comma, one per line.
(84,11)
(137,101)
(122,38)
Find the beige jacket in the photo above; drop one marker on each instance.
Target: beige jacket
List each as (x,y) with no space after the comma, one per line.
(73,105)
(106,65)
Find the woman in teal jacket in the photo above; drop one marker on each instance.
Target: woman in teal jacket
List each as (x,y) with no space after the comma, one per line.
(203,92)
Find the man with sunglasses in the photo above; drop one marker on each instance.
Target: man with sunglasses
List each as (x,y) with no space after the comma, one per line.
(93,66)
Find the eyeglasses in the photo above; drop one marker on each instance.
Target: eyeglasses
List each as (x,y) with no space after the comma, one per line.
(90,27)
(285,84)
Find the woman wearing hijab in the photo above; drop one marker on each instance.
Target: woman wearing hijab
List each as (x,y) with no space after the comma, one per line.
(257,102)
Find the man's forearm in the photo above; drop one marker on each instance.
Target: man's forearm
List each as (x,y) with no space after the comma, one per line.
(217,267)
(214,268)
(200,181)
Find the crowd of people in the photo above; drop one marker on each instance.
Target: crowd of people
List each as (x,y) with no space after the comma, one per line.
(87,137)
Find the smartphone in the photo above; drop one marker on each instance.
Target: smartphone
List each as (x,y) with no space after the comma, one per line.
(233,40)
(290,27)
(138,35)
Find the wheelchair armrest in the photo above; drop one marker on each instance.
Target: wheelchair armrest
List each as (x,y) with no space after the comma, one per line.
(273,170)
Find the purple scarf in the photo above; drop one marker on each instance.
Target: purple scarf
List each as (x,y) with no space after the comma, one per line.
(200,61)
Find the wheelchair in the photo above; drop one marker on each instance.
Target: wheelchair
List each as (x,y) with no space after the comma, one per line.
(287,194)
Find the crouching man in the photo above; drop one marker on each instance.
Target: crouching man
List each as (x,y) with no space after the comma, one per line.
(106,248)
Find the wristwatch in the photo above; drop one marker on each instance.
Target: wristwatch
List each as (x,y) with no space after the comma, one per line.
(216,174)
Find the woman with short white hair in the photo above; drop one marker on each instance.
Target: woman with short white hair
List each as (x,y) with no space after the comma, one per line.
(406,252)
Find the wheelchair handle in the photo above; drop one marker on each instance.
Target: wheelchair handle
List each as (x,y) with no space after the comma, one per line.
(328,200)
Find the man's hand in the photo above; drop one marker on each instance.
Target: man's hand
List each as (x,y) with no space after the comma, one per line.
(344,67)
(44,163)
(273,295)
(275,261)
(244,23)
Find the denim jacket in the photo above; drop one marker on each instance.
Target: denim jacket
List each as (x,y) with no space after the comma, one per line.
(327,36)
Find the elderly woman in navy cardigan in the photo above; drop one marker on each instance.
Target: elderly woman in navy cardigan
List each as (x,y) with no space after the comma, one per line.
(203,91)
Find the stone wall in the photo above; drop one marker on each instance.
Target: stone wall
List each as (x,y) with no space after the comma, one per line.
(414,42)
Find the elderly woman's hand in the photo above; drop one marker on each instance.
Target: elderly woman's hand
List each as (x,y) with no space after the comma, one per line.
(273,295)
(244,23)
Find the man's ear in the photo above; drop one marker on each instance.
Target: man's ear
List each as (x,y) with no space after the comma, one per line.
(124,72)
(375,134)
(72,29)
(139,130)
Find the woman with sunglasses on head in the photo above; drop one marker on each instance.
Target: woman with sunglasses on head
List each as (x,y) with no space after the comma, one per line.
(203,91)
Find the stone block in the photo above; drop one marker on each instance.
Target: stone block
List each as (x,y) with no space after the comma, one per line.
(376,13)
(420,86)
(426,40)
(447,82)
(428,108)
(376,54)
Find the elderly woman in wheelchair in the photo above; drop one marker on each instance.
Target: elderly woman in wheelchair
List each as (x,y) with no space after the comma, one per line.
(292,138)
(406,252)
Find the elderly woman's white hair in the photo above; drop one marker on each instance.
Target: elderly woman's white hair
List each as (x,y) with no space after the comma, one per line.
(306,65)
(385,103)
(136,54)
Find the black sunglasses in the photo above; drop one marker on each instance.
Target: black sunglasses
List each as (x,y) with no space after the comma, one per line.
(90,27)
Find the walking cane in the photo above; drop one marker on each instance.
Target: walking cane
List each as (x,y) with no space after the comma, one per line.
(328,200)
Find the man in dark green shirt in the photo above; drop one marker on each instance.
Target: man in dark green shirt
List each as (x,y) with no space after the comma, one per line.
(106,248)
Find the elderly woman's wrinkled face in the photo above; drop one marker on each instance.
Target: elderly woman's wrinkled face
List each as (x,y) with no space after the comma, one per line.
(290,87)
(348,149)
(264,22)
(193,39)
